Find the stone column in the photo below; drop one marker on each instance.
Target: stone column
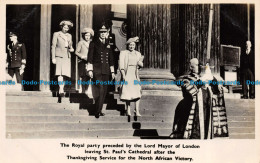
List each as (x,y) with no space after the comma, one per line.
(45,46)
(152,23)
(86,16)
(190,23)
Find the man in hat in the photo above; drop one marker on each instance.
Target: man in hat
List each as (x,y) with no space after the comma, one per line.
(16,57)
(202,113)
(247,68)
(100,66)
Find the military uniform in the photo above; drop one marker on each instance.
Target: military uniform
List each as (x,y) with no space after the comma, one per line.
(101,62)
(16,57)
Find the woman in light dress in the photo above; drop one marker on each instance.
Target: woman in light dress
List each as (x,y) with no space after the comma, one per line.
(61,49)
(82,53)
(130,61)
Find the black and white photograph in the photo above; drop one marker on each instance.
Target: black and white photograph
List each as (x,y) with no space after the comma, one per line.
(129,72)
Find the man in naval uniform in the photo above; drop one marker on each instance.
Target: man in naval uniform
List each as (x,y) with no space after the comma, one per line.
(16,57)
(100,66)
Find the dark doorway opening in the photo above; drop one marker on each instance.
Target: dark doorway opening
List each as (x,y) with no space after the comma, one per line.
(234,27)
(100,14)
(25,21)
(59,13)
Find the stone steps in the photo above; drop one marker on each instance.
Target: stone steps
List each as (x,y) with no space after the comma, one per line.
(146,112)
(68,126)
(83,119)
(120,134)
(106,133)
(38,115)
(107,118)
(28,105)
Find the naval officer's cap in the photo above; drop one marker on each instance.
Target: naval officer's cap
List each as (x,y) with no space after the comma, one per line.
(103,28)
(11,34)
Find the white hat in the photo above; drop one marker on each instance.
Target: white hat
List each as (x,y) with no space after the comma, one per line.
(88,30)
(66,22)
(133,39)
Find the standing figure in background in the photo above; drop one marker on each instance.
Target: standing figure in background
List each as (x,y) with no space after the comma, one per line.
(130,61)
(100,66)
(202,113)
(247,67)
(61,49)
(111,41)
(82,52)
(110,37)
(16,58)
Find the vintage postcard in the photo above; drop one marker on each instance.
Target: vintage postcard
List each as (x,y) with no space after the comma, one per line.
(129,81)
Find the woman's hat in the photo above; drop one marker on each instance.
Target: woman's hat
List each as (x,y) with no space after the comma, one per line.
(66,22)
(133,39)
(88,30)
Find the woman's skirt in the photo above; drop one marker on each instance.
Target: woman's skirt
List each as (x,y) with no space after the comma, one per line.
(130,91)
(63,66)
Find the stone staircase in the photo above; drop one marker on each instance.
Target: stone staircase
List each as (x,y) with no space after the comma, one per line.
(39,115)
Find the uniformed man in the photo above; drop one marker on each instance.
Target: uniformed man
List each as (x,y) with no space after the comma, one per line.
(100,66)
(16,57)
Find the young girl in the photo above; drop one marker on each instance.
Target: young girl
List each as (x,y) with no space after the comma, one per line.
(82,53)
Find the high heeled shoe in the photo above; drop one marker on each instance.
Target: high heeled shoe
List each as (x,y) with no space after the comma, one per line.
(128,112)
(137,114)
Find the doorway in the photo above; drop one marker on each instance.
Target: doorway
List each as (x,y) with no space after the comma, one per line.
(25,21)
(59,13)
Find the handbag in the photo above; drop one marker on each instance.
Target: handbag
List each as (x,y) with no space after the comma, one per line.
(89,90)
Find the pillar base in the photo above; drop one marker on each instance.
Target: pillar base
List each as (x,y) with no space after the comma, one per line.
(157,75)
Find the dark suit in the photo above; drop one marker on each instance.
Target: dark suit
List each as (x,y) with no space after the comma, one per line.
(15,55)
(100,60)
(247,69)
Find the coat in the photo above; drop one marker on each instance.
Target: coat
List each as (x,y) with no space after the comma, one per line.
(123,61)
(16,55)
(100,58)
(82,49)
(60,46)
